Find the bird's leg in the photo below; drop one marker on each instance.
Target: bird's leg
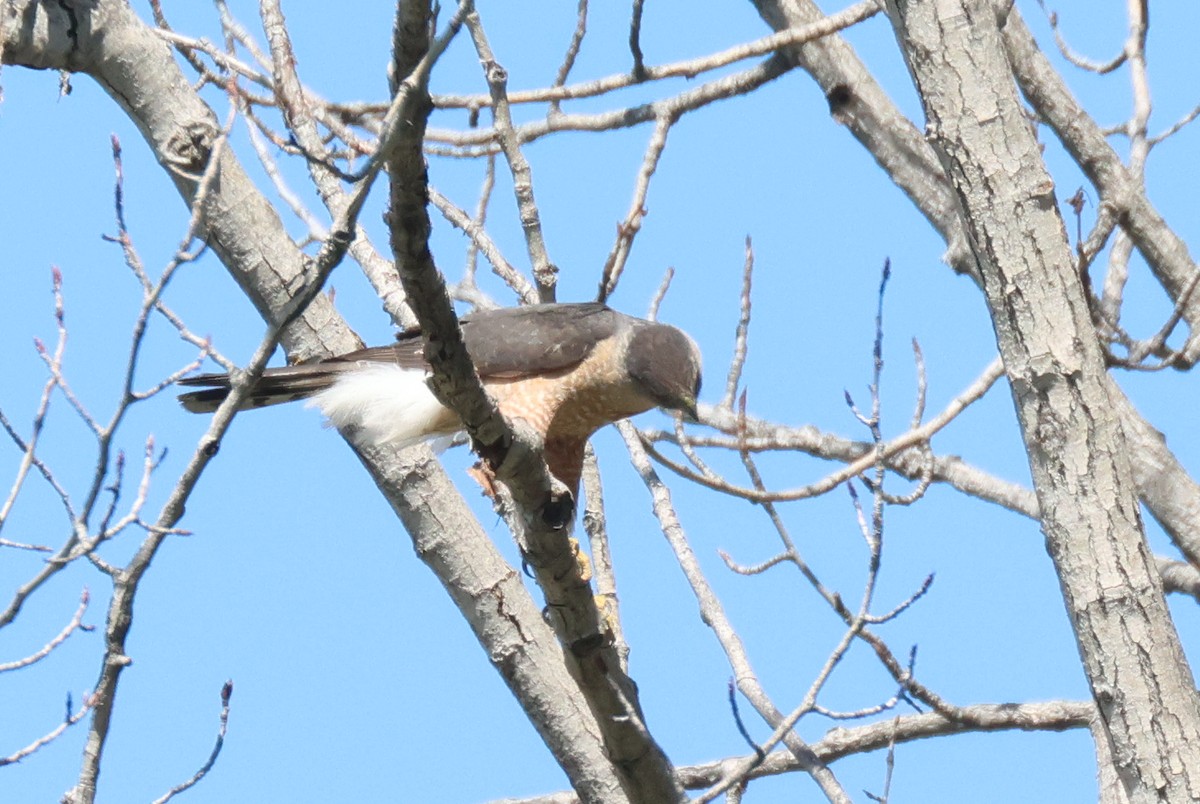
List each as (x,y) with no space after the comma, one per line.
(553,500)
(557,512)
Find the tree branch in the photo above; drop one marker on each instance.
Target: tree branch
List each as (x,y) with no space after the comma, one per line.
(545,505)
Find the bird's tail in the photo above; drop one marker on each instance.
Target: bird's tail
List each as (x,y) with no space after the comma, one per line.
(274,387)
(384,402)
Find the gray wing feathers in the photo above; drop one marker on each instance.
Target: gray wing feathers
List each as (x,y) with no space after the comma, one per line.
(523,341)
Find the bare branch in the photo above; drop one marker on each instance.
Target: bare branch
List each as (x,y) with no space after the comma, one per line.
(743,330)
(1080,465)
(687,101)
(635,41)
(888,450)
(627,229)
(843,742)
(70,720)
(76,624)
(226,692)
(544,272)
(840,743)
(1079,60)
(480,240)
(799,34)
(564,69)
(660,294)
(713,614)
(1166,254)
(28,446)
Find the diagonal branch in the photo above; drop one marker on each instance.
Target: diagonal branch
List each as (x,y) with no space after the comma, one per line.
(545,506)
(1165,252)
(858,102)
(128,59)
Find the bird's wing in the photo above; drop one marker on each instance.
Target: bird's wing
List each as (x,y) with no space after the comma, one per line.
(536,339)
(511,342)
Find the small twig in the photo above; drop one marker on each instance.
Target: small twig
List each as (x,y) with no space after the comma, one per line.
(627,229)
(226,693)
(480,240)
(690,68)
(858,714)
(480,141)
(635,42)
(714,615)
(28,446)
(1176,127)
(545,273)
(1140,350)
(889,449)
(660,294)
(68,721)
(596,526)
(743,329)
(114,490)
(891,767)
(316,230)
(1077,59)
(38,548)
(564,69)
(877,619)
(76,624)
(741,727)
(480,219)
(685,446)
(922,384)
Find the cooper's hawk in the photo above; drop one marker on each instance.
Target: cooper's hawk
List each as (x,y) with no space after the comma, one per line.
(566,369)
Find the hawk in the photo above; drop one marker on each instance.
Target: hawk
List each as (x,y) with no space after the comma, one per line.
(565,369)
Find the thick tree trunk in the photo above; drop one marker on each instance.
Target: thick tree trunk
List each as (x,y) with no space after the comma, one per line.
(1139,677)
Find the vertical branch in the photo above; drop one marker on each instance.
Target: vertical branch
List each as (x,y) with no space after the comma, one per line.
(1139,148)
(454,379)
(545,508)
(1164,251)
(127,579)
(545,273)
(470,270)
(635,40)
(564,70)
(743,331)
(294,104)
(596,526)
(29,447)
(614,266)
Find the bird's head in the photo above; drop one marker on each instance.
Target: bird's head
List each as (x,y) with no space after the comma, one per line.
(665,365)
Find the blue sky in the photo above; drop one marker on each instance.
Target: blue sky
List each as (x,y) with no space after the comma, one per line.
(355,678)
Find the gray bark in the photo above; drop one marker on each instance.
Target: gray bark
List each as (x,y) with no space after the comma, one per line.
(1077,452)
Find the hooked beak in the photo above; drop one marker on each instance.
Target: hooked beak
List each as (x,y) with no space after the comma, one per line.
(689,412)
